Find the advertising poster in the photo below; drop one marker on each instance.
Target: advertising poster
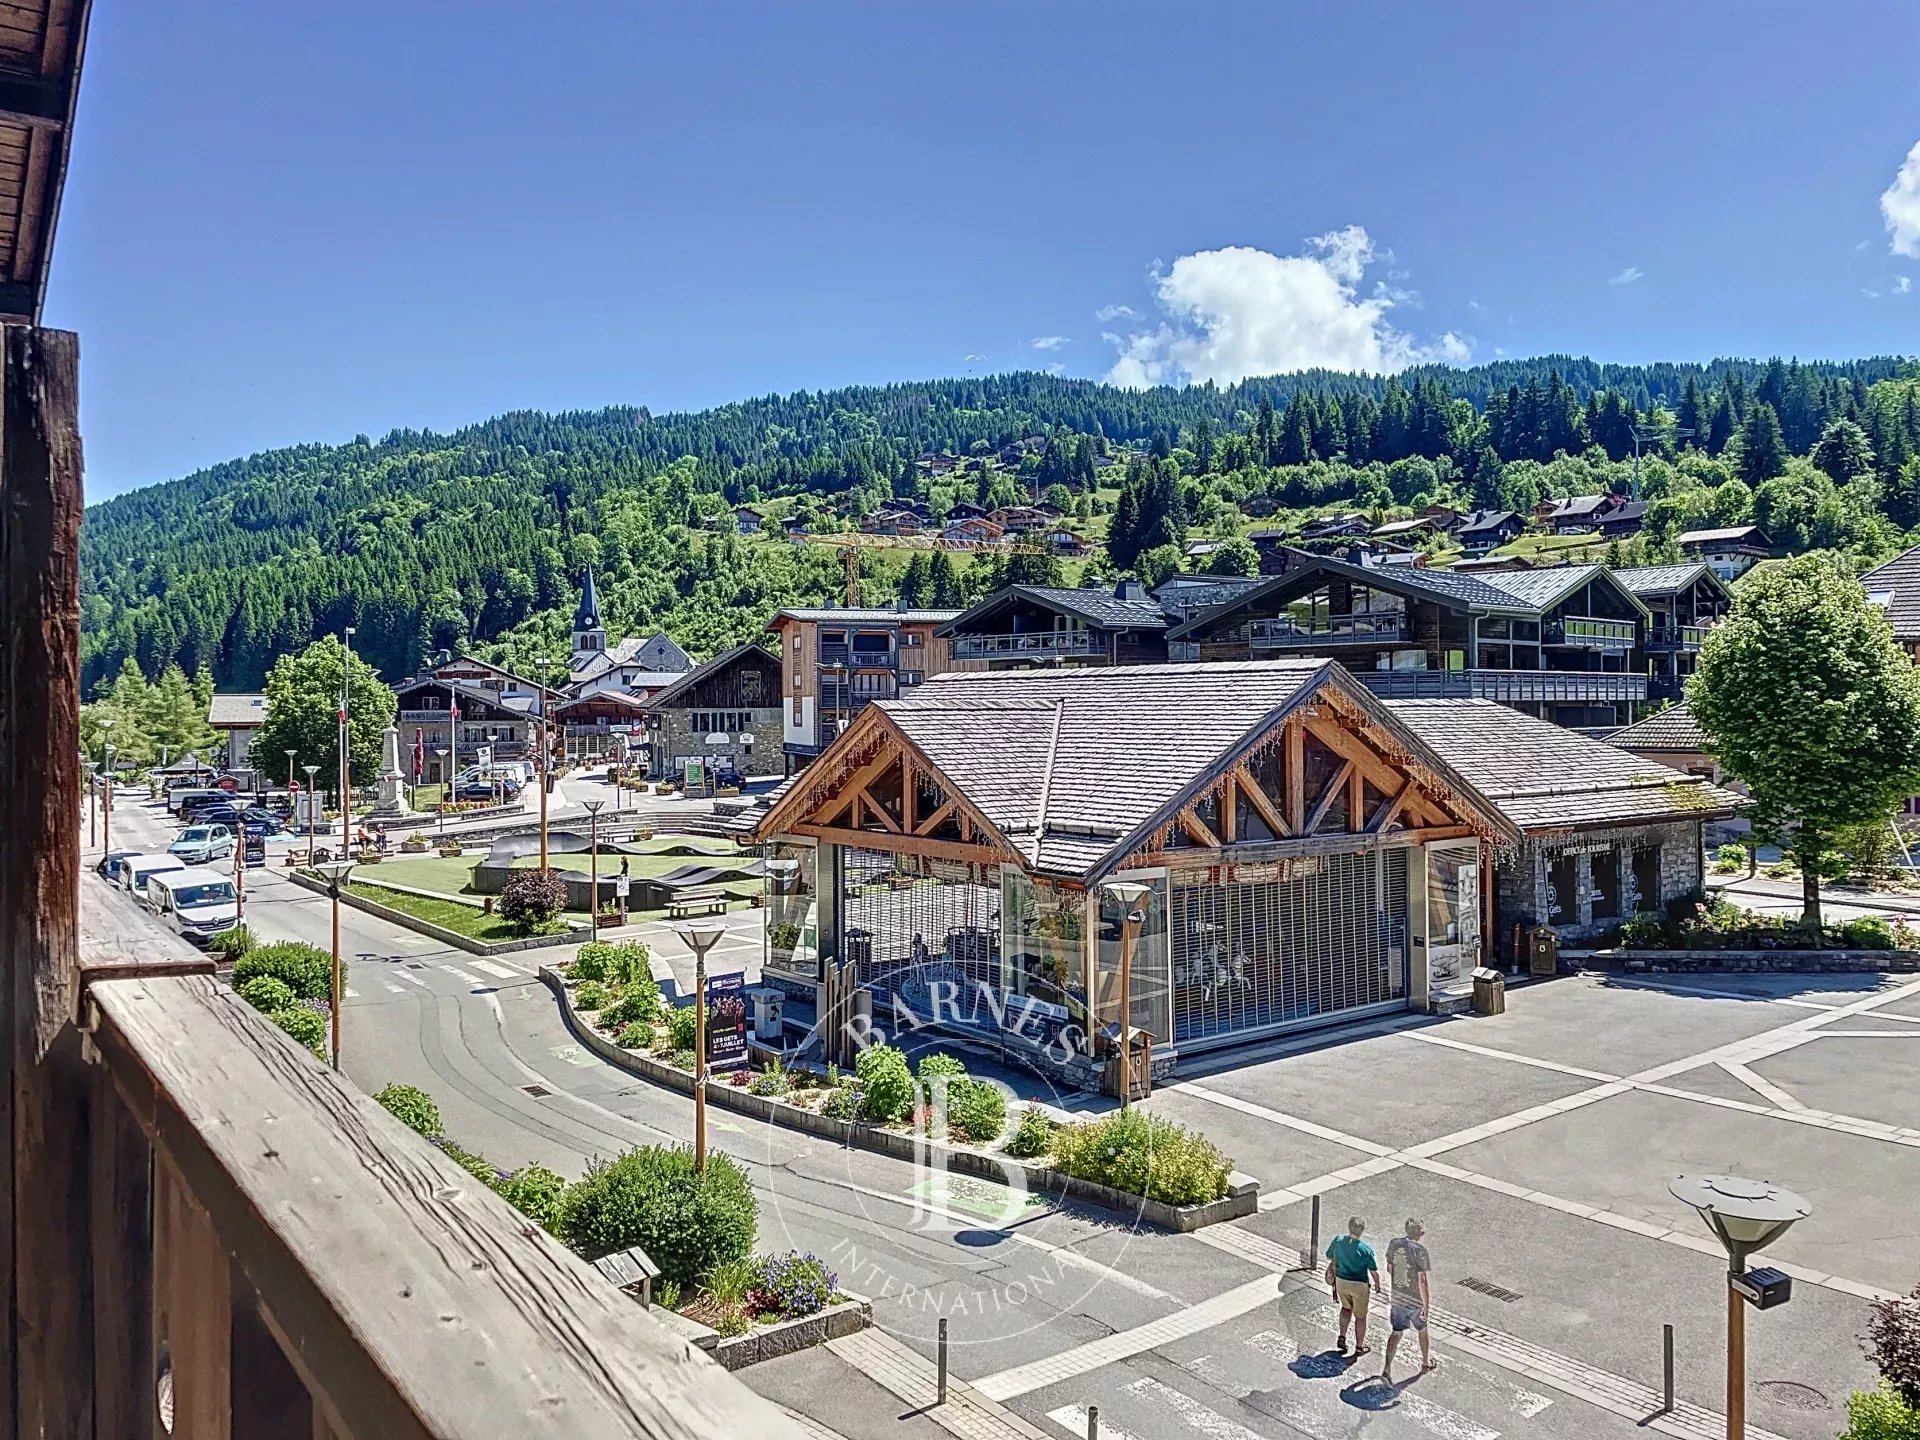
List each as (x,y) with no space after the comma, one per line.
(726,1021)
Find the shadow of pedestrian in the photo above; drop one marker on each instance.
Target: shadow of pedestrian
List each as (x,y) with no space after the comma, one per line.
(1373,1393)
(1327,1365)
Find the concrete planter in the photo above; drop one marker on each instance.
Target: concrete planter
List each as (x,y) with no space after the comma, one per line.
(1243,1191)
(1748,962)
(784,1337)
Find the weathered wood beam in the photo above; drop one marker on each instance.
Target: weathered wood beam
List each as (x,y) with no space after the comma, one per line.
(909,792)
(1295,775)
(46,1385)
(1375,771)
(938,818)
(1390,808)
(857,781)
(877,811)
(905,844)
(1263,805)
(1356,799)
(122,1242)
(1335,788)
(40,104)
(1196,830)
(192,1265)
(1230,809)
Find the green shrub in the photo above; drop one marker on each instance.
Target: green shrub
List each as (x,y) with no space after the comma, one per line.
(731,1322)
(773,1080)
(412,1107)
(535,1192)
(732,1280)
(622,962)
(593,961)
(1143,1154)
(1781,870)
(666,1294)
(1644,931)
(532,899)
(931,1067)
(794,1284)
(976,1110)
(1880,1415)
(629,963)
(267,993)
(844,1102)
(1869,932)
(651,1197)
(1732,856)
(233,943)
(634,1036)
(639,1003)
(304,1025)
(890,1091)
(477,1166)
(1032,1136)
(591,995)
(306,970)
(681,1023)
(681,1059)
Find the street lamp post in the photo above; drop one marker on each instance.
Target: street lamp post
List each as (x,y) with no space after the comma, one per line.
(106,807)
(700,937)
(335,873)
(346,738)
(313,801)
(594,808)
(446,785)
(1745,1216)
(545,760)
(1128,894)
(290,755)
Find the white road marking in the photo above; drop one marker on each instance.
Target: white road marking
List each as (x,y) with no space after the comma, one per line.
(1437,1418)
(500,971)
(1073,1420)
(347,992)
(1277,1117)
(396,989)
(1097,1354)
(465,975)
(1760,1085)
(1198,1417)
(1491,1053)
(412,978)
(1284,1403)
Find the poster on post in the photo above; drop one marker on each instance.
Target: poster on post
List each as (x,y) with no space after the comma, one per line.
(726,1021)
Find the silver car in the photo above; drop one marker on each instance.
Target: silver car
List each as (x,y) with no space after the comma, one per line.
(201,844)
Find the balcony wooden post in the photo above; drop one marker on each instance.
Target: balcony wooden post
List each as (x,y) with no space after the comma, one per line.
(46,1379)
(123,1348)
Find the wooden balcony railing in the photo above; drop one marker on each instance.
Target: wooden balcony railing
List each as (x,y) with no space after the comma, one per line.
(276,1256)
(1675,637)
(1506,686)
(1036,643)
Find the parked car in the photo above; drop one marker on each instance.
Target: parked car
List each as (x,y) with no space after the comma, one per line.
(487,789)
(201,844)
(234,816)
(195,903)
(180,802)
(111,862)
(135,869)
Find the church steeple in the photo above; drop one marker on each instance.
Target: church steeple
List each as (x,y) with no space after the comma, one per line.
(589,634)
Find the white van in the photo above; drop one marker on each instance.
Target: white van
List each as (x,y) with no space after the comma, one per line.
(196,902)
(135,870)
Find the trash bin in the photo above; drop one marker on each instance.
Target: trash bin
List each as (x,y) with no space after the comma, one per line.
(1543,951)
(1489,991)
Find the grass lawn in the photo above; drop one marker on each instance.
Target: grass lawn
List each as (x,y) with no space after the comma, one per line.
(1576,548)
(455,876)
(449,914)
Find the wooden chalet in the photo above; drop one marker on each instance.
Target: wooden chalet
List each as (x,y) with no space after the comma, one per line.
(1025,625)
(725,710)
(1683,602)
(598,726)
(460,717)
(835,661)
(209,1233)
(1561,643)
(1310,858)
(1729,551)
(1895,588)
(1485,530)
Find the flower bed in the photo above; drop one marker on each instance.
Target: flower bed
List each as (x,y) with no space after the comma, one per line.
(1158,1171)
(1721,925)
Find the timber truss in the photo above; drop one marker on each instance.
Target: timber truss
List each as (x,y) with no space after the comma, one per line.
(1328,769)
(880,792)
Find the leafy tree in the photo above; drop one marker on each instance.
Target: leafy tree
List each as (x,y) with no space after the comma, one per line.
(303,713)
(1234,557)
(1160,564)
(177,717)
(1811,702)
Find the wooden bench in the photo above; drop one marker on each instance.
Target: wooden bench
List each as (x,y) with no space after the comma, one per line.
(697,902)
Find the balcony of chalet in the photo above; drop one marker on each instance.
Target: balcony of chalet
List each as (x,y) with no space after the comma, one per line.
(1589,632)
(1666,639)
(1509,687)
(1038,644)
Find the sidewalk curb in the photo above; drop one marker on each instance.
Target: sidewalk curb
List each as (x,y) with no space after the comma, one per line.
(1243,1191)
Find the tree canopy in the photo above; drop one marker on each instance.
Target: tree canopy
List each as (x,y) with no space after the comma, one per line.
(1810,701)
(303,714)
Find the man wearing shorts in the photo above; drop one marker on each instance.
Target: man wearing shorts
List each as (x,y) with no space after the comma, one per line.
(1412,1294)
(1350,1266)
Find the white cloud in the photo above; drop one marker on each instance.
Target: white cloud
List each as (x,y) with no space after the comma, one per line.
(1870,294)
(1900,206)
(1057,368)
(1902,284)
(1050,342)
(1240,311)
(1626,276)
(1106,314)
(1475,305)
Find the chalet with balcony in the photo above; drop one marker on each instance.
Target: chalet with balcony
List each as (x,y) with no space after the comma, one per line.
(447,710)
(971,530)
(1729,551)
(890,520)
(1624,521)
(835,662)
(1577,514)
(1027,625)
(1485,530)
(1409,532)
(1683,602)
(1559,643)
(1335,527)
(747,520)
(965,510)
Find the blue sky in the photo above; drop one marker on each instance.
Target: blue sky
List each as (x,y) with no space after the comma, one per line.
(293,222)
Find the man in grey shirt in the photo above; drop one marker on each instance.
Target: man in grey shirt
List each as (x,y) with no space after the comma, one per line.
(1411,1294)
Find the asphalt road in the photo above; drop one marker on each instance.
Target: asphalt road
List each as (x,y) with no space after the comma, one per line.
(1053,1308)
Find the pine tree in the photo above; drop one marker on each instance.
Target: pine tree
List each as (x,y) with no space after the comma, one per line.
(1843,452)
(943,582)
(1762,453)
(915,583)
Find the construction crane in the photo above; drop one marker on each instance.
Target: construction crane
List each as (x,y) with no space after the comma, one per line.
(848,547)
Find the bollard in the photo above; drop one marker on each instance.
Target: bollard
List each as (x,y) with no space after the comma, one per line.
(1666,1340)
(1093,1422)
(1313,1244)
(943,1362)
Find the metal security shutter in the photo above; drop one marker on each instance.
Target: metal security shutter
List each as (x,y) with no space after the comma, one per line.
(1251,955)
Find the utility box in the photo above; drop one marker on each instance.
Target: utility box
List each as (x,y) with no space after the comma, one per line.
(1543,951)
(1489,991)
(1763,1288)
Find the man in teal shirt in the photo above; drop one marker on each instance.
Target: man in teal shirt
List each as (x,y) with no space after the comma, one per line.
(1350,1267)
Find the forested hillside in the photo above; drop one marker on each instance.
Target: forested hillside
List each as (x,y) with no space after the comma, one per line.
(476,539)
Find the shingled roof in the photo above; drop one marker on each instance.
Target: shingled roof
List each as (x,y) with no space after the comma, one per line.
(1895,587)
(1672,729)
(1542,777)
(1074,766)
